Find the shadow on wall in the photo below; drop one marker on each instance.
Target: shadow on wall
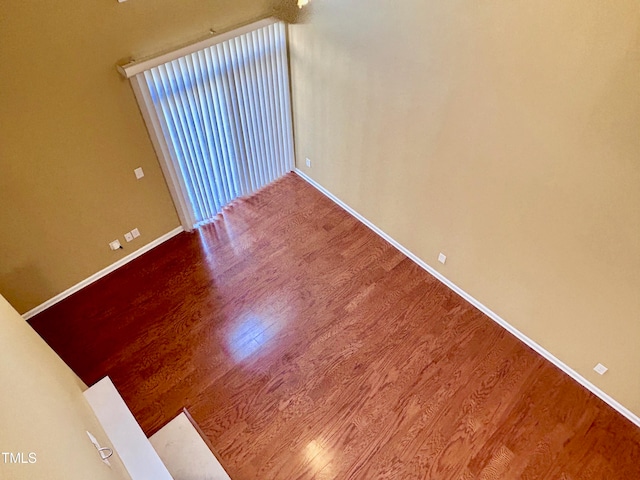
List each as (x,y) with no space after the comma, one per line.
(20,299)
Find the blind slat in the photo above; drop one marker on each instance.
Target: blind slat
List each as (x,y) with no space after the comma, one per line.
(254,101)
(264,103)
(218,128)
(176,134)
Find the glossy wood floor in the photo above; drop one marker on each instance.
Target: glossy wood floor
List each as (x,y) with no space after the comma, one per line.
(307,347)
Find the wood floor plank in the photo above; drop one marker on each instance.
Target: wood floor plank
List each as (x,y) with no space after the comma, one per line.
(305,346)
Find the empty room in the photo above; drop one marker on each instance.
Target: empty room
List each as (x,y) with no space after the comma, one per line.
(319,239)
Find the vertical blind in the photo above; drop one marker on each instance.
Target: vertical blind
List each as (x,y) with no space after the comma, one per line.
(225,115)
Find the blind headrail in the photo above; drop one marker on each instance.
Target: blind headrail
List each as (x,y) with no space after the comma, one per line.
(135,67)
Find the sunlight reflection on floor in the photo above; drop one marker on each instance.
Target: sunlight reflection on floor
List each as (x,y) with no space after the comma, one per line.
(249,337)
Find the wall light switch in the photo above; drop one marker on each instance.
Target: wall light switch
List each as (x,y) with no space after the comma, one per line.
(135,232)
(139,173)
(128,237)
(601,369)
(442,258)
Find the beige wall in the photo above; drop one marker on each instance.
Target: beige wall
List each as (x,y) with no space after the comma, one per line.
(71,133)
(43,411)
(504,134)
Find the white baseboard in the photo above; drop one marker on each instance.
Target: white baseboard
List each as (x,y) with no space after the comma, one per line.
(102,273)
(484,309)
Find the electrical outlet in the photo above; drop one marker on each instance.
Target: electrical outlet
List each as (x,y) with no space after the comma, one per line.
(135,232)
(115,245)
(308,162)
(442,258)
(139,173)
(128,237)
(601,369)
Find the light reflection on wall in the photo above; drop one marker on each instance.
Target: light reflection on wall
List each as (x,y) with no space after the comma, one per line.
(249,337)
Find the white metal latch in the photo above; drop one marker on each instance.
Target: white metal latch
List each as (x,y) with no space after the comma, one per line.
(104,452)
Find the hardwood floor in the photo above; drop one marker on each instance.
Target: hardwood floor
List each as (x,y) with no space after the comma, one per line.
(307,347)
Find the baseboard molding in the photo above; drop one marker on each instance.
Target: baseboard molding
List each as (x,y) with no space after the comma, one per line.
(484,309)
(101,273)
